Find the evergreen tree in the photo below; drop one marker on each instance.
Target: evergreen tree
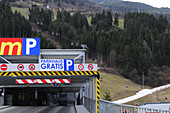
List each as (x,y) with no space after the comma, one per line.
(116,21)
(106,96)
(109,16)
(103,15)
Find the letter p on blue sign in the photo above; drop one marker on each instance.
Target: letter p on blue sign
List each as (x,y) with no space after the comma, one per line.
(68,65)
(31,46)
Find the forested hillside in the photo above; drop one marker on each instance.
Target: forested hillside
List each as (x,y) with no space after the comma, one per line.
(67,1)
(141,47)
(15,25)
(102,1)
(126,6)
(12,24)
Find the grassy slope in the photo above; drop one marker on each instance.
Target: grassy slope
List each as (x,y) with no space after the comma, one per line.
(21,10)
(121,22)
(89,20)
(116,85)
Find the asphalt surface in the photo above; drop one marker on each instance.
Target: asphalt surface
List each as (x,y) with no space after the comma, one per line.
(38,109)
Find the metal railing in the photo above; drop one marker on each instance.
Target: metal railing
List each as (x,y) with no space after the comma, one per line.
(110,107)
(90,104)
(77,54)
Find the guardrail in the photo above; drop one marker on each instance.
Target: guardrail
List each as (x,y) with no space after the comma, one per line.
(90,104)
(110,107)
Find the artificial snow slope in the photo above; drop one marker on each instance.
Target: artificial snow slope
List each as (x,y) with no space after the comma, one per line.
(141,94)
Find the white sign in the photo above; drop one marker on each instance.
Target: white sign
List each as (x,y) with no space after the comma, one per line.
(57,65)
(20,67)
(85,67)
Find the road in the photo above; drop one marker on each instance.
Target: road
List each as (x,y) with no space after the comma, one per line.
(39,109)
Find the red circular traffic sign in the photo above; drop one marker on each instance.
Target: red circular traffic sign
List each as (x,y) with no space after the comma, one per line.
(20,67)
(80,67)
(90,67)
(31,67)
(4,67)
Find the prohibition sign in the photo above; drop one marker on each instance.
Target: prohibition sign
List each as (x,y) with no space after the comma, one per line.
(90,67)
(20,67)
(4,67)
(80,67)
(31,67)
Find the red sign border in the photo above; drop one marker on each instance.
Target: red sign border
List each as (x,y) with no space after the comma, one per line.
(90,65)
(18,67)
(6,68)
(31,69)
(79,67)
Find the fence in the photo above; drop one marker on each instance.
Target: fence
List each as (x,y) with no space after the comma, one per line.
(110,107)
(90,104)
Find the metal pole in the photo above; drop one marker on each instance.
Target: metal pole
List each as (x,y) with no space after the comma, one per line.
(3,94)
(87,88)
(143,80)
(84,58)
(81,95)
(94,88)
(36,94)
(91,88)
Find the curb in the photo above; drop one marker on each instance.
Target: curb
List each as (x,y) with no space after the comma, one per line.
(4,107)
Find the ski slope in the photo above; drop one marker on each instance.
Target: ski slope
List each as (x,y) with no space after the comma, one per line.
(141,94)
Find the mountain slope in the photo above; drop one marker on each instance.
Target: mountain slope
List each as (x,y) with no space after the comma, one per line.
(125,6)
(133,7)
(67,1)
(101,1)
(115,84)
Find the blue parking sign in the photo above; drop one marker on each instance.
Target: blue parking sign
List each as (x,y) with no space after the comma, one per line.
(68,64)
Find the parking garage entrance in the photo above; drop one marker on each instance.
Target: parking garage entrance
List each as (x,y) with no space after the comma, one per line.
(50,94)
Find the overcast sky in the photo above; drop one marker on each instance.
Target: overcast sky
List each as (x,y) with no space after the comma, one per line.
(155,3)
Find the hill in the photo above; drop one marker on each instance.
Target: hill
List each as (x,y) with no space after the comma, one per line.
(115,84)
(102,1)
(127,6)
(67,1)
(141,47)
(162,96)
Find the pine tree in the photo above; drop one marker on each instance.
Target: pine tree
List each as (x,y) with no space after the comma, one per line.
(109,16)
(116,21)
(107,96)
